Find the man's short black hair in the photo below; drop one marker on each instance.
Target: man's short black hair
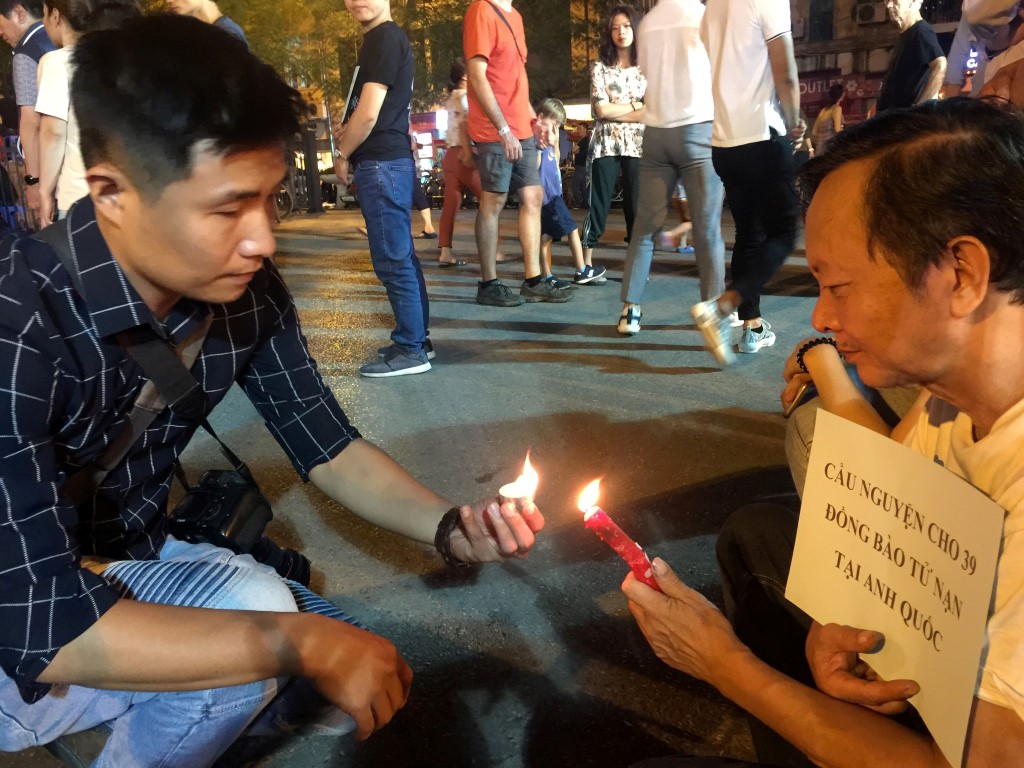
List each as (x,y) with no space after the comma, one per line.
(941,170)
(33,8)
(148,94)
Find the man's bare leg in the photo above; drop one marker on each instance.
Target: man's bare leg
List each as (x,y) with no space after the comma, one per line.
(486,229)
(530,201)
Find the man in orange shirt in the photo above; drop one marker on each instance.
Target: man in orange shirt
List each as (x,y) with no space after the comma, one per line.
(503,126)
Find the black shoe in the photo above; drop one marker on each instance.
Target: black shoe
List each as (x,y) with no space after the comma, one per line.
(544,291)
(497,294)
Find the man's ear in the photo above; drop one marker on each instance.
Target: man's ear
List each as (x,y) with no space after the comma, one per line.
(972,266)
(109,189)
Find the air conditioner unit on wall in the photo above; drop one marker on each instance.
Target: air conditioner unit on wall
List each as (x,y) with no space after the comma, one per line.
(870,13)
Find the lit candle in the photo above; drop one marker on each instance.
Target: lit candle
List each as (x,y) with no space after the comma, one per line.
(597,520)
(523,487)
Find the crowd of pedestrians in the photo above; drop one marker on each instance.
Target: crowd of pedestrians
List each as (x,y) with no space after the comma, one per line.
(158,267)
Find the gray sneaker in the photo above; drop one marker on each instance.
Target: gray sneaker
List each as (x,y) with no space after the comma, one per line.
(716,330)
(544,291)
(750,341)
(496,294)
(396,362)
(428,348)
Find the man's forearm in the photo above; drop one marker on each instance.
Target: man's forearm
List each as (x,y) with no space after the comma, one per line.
(830,732)
(785,77)
(359,126)
(369,483)
(936,74)
(29,132)
(836,389)
(150,647)
(52,140)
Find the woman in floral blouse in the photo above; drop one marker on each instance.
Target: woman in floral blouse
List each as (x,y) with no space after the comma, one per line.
(617,89)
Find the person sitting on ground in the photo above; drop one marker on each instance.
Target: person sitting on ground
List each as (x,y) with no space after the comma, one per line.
(556,221)
(916,288)
(174,243)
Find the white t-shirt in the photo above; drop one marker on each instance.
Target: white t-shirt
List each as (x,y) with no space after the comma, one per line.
(736,34)
(55,70)
(994,465)
(672,56)
(457,107)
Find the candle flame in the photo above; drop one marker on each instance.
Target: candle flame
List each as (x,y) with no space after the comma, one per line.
(529,478)
(588,499)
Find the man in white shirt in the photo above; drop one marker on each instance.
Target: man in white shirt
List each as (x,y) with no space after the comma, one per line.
(678,109)
(751,49)
(916,289)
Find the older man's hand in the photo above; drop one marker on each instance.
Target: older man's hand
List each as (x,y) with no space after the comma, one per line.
(683,628)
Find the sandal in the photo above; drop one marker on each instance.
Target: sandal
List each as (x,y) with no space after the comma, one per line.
(424,235)
(449,264)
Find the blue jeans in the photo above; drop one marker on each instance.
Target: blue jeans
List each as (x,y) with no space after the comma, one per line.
(385,196)
(187,728)
(670,154)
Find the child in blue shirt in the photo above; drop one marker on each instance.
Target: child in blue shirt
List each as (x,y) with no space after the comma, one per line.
(556,221)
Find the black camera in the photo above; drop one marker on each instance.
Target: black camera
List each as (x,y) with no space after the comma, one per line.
(227,509)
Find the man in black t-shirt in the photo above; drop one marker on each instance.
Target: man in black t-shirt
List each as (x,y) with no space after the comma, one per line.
(373,148)
(918,64)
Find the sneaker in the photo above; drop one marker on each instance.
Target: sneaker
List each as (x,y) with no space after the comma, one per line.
(734,320)
(590,276)
(686,249)
(428,348)
(396,362)
(560,284)
(629,323)
(544,291)
(715,329)
(750,341)
(497,294)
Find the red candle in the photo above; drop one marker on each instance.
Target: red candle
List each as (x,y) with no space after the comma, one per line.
(597,520)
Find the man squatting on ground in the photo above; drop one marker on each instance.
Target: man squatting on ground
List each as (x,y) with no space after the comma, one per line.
(184,155)
(916,288)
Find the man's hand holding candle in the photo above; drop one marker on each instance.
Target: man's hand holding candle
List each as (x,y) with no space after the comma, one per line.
(683,628)
(489,531)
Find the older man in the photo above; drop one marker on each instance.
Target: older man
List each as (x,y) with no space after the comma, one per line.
(916,288)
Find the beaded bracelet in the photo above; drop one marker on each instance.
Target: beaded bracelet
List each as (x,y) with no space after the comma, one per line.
(443,539)
(809,345)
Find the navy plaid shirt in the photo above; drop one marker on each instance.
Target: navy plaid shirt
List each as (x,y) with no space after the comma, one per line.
(66,390)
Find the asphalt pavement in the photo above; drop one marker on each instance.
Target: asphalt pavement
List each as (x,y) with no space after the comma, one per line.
(536,662)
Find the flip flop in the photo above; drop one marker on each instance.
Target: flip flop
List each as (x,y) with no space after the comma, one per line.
(427,236)
(449,264)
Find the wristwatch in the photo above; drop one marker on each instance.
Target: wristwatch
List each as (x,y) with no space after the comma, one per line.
(340,156)
(31,180)
(504,129)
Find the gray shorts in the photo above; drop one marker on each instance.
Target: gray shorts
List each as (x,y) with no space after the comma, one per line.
(498,175)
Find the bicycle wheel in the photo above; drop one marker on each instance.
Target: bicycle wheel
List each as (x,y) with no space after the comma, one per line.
(284,204)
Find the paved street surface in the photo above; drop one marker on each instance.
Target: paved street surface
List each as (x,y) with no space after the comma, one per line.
(535,663)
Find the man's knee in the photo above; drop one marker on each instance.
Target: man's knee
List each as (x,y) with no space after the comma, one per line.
(491,203)
(799,437)
(531,199)
(256,589)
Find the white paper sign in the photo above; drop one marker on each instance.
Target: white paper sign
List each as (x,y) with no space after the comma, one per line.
(892,542)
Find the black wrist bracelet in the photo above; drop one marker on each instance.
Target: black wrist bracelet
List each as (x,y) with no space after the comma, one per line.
(810,344)
(443,539)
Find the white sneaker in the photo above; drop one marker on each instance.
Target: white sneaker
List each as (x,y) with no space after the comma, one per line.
(734,320)
(715,329)
(629,322)
(750,341)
